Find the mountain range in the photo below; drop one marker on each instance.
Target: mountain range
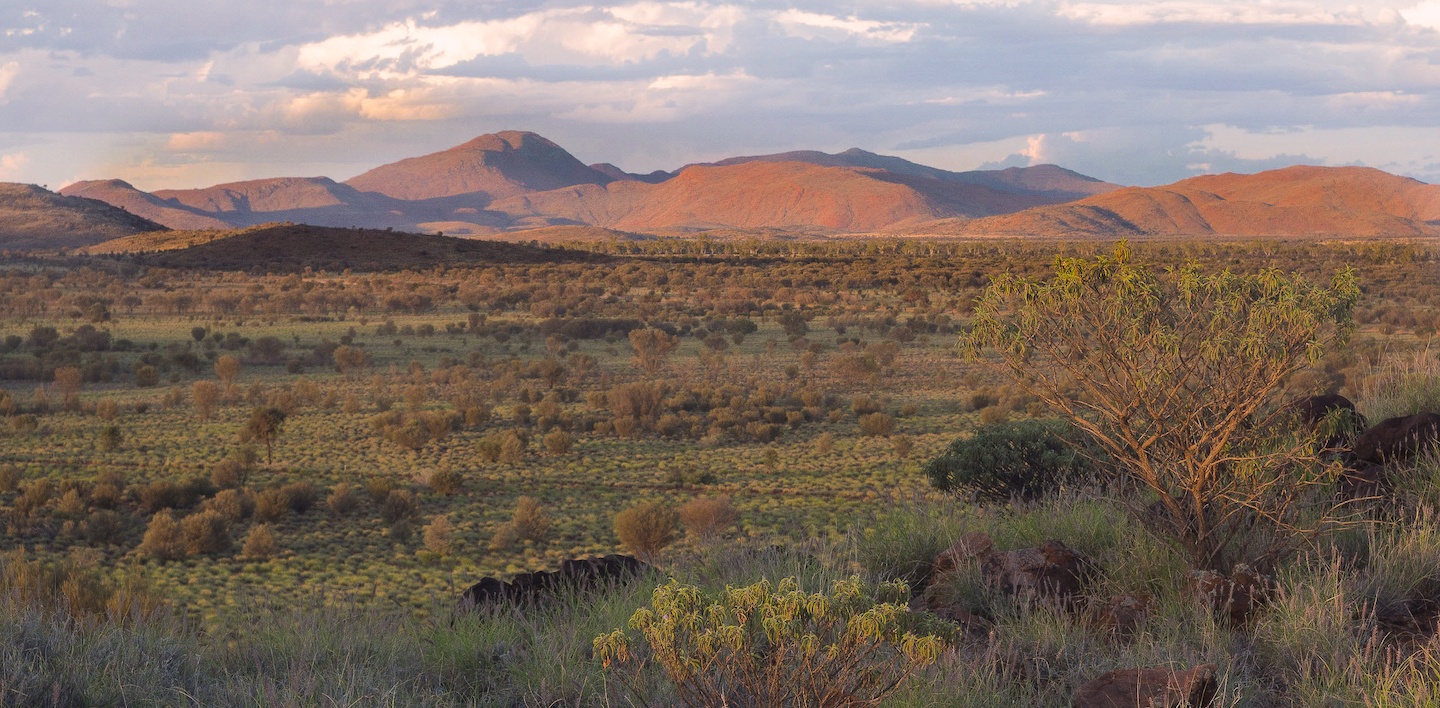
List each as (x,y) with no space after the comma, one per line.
(518,181)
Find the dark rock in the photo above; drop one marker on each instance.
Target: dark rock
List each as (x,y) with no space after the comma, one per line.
(1313,411)
(971,547)
(934,601)
(1122,614)
(1368,482)
(574,575)
(1397,439)
(1150,688)
(1051,570)
(1234,599)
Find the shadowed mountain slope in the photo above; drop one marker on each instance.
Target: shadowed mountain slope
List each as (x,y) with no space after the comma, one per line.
(297,246)
(34,218)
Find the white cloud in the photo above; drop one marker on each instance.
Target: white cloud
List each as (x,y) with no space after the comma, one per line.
(1424,14)
(810,25)
(8,71)
(12,165)
(1206,12)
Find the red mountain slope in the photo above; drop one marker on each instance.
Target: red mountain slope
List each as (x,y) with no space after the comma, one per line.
(1295,201)
(119,193)
(498,165)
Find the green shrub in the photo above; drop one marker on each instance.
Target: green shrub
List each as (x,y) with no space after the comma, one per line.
(775,646)
(1025,458)
(399,505)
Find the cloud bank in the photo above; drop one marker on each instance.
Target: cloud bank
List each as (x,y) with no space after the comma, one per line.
(168,93)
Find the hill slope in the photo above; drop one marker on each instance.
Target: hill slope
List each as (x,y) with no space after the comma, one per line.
(1294,201)
(290,247)
(121,194)
(499,165)
(33,218)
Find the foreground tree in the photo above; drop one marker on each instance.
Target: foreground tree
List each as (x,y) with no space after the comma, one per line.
(1175,376)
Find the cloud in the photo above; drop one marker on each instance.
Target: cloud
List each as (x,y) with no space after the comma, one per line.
(1130,90)
(8,71)
(12,165)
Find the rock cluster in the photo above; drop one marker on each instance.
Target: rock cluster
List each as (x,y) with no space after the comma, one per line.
(573,575)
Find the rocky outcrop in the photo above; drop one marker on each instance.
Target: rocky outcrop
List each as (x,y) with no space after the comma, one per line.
(1235,598)
(1050,570)
(1150,688)
(1397,439)
(573,576)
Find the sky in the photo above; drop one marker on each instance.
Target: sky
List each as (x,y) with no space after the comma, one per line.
(189,93)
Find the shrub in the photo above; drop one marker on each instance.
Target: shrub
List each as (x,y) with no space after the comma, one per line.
(300,496)
(877,424)
(1026,458)
(163,539)
(379,488)
(110,438)
(233,504)
(646,528)
(447,481)
(9,478)
(764,645)
(529,522)
(157,495)
(399,505)
(271,504)
(439,535)
(1175,375)
(260,543)
(513,446)
(104,527)
(206,532)
(707,517)
(558,442)
(341,500)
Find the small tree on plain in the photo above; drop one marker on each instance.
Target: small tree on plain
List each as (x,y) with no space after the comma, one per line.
(651,347)
(646,528)
(264,426)
(1175,376)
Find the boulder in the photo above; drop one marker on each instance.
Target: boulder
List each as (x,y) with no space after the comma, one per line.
(1050,570)
(1312,411)
(574,575)
(1150,688)
(1367,482)
(1121,614)
(1234,598)
(1397,439)
(971,547)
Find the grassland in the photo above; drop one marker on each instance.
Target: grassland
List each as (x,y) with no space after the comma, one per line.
(771,417)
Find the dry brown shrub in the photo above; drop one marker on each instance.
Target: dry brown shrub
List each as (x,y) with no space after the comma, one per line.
(399,505)
(206,396)
(877,424)
(233,504)
(260,543)
(271,504)
(707,517)
(447,481)
(439,535)
(300,496)
(379,488)
(206,532)
(559,442)
(163,539)
(646,528)
(341,500)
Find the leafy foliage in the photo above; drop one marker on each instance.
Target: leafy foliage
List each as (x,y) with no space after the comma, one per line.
(1024,458)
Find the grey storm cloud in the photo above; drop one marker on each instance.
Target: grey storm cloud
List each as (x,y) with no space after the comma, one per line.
(178,93)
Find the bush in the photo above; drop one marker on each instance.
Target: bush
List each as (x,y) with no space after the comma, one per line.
(877,424)
(9,478)
(399,505)
(271,504)
(233,504)
(206,532)
(1027,458)
(260,543)
(848,647)
(341,500)
(300,496)
(447,481)
(104,527)
(439,535)
(646,528)
(528,523)
(163,539)
(707,517)
(157,495)
(379,488)
(558,442)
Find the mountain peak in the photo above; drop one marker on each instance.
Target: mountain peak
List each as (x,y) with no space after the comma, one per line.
(491,166)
